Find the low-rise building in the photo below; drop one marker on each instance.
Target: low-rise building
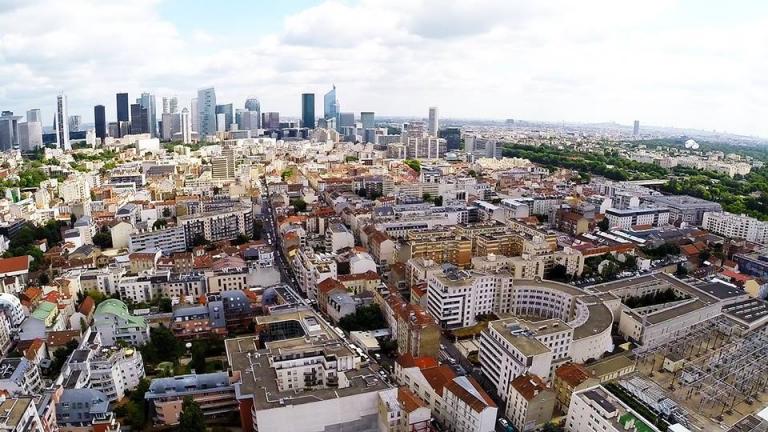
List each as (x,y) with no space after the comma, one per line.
(213,392)
(115,323)
(530,403)
(597,409)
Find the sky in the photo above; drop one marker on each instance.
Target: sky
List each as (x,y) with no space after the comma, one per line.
(687,63)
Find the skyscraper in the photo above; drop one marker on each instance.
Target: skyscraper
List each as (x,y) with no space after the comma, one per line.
(308,110)
(139,123)
(62,123)
(253,105)
(9,130)
(228,111)
(206,112)
(122,108)
(147,101)
(193,117)
(186,127)
(331,107)
(433,121)
(100,122)
(367,118)
(34,115)
(636,128)
(74,123)
(270,120)
(30,136)
(221,122)
(170,105)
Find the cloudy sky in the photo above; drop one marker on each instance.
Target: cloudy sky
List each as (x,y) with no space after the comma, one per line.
(694,63)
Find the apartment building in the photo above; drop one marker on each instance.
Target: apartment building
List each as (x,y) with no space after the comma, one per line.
(168,240)
(111,370)
(400,410)
(312,268)
(20,414)
(458,403)
(213,392)
(736,226)
(19,376)
(302,374)
(638,216)
(115,323)
(596,409)
(223,224)
(440,246)
(530,403)
(201,321)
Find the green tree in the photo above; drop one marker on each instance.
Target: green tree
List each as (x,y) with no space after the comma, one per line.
(103,240)
(438,201)
(160,224)
(414,164)
(299,204)
(166,212)
(604,224)
(191,418)
(365,318)
(72,220)
(198,357)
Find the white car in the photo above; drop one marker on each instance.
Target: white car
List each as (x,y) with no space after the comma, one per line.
(503,422)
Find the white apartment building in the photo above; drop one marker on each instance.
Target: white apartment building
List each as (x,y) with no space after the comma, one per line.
(20,415)
(311,269)
(19,376)
(627,218)
(458,403)
(736,226)
(167,240)
(225,224)
(113,322)
(455,298)
(111,370)
(595,409)
(338,237)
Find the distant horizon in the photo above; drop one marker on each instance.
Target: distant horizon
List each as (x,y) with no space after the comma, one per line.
(663,62)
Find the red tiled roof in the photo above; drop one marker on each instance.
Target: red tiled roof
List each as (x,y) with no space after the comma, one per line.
(439,377)
(86,307)
(572,373)
(369,275)
(409,401)
(407,360)
(468,397)
(15,264)
(528,385)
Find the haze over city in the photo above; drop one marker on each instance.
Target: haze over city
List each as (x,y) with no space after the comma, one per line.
(687,64)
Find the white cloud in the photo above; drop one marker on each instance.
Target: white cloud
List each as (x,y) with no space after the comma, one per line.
(556,60)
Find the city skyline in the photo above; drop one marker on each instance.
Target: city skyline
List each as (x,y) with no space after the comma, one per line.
(667,63)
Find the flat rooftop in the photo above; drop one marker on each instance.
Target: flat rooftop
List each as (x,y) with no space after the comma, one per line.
(522,333)
(258,378)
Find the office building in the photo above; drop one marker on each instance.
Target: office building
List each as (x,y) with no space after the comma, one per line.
(253,104)
(223,167)
(346,120)
(193,115)
(139,122)
(169,125)
(367,118)
(100,121)
(331,107)
(433,121)
(170,105)
(30,136)
(636,128)
(684,208)
(270,120)
(62,123)
(221,122)
(9,130)
(74,123)
(147,102)
(185,125)
(206,112)
(122,108)
(452,136)
(228,111)
(34,115)
(736,226)
(308,110)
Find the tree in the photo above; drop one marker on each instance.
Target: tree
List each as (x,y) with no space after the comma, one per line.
(414,164)
(704,255)
(165,305)
(438,201)
(427,197)
(72,220)
(160,223)
(166,212)
(191,418)
(103,240)
(240,239)
(604,224)
(365,318)
(199,240)
(299,204)
(559,273)
(198,357)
